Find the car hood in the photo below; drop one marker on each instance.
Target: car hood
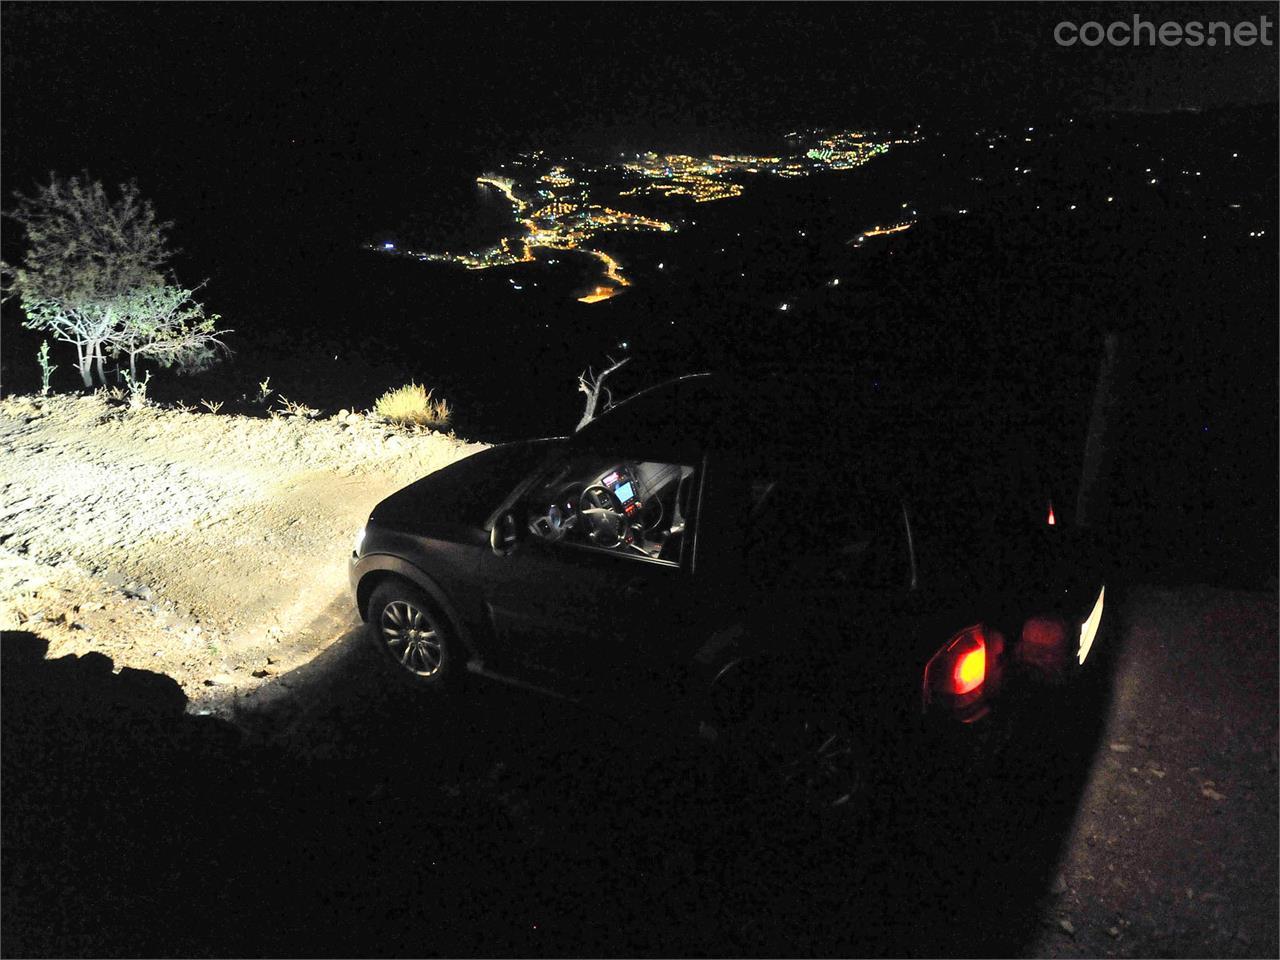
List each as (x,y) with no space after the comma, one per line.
(463,494)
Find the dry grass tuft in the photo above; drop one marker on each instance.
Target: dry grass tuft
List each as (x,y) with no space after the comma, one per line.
(414,403)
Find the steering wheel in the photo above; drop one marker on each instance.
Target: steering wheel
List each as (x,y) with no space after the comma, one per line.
(606,523)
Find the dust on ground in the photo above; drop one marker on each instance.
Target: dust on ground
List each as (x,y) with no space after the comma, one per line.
(210,548)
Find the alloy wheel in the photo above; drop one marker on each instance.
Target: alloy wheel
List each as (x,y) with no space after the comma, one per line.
(819,760)
(411,638)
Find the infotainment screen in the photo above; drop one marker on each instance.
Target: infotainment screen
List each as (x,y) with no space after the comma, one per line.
(624,492)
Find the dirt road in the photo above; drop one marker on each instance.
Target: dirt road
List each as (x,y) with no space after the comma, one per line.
(1173,852)
(205,547)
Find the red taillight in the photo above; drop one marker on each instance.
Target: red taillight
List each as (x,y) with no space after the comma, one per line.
(958,672)
(1053,520)
(970,671)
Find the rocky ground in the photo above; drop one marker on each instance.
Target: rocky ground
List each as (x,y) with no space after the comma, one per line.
(209,548)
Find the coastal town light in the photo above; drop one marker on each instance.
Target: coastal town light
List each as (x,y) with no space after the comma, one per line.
(553,207)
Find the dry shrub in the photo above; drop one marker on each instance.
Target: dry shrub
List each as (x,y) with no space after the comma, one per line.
(294,408)
(414,403)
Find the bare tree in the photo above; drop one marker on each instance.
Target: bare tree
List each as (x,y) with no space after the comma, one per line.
(592,384)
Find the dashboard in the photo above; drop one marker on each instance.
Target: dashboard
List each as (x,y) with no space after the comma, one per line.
(622,506)
(625,488)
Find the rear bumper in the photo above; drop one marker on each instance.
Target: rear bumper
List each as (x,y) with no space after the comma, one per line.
(1034,721)
(1037,720)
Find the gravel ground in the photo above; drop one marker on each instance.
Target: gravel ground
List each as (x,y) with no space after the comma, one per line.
(209,548)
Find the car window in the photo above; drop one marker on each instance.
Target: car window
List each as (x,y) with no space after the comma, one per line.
(636,508)
(812,531)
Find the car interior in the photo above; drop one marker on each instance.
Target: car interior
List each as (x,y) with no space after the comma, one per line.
(621,506)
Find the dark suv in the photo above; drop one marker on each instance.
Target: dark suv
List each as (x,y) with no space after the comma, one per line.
(821,577)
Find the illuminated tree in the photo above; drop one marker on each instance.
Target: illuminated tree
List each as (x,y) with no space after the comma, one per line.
(72,318)
(165,323)
(94,266)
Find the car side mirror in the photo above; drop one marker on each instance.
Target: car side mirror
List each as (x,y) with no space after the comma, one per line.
(505,535)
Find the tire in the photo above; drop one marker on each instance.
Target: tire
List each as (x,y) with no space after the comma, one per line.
(810,759)
(417,640)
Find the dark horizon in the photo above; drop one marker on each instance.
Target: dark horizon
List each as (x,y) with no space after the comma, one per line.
(362,94)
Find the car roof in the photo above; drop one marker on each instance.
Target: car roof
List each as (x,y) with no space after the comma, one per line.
(813,417)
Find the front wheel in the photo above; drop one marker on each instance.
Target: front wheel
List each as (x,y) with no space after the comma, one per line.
(414,636)
(810,758)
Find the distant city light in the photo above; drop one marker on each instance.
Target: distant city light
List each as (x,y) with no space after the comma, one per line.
(552,206)
(785,306)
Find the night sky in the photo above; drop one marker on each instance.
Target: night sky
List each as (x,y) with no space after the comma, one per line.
(357,111)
